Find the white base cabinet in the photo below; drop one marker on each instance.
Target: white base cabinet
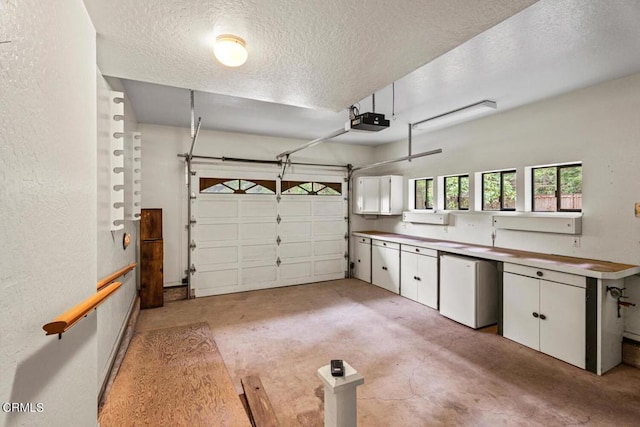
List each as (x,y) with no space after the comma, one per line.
(419,275)
(545,315)
(362,259)
(385,265)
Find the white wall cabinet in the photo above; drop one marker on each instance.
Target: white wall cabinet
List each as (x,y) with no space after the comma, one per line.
(379,195)
(362,259)
(419,275)
(546,315)
(385,265)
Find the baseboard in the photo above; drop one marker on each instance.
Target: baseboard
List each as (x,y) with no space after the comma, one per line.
(123,345)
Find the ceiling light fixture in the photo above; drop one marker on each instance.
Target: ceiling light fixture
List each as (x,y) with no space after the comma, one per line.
(230,50)
(455,116)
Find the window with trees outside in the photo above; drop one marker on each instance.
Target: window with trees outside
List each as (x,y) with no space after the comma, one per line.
(499,191)
(557,188)
(236,186)
(303,188)
(456,195)
(423,193)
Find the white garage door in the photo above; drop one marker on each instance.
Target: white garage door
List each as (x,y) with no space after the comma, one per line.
(248,236)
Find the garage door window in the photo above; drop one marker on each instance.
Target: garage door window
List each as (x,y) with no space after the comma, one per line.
(236,186)
(311,188)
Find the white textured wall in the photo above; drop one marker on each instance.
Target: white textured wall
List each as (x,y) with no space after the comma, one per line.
(113,314)
(163,179)
(48,209)
(598,125)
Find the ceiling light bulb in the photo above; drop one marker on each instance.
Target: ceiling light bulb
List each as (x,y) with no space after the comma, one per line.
(230,50)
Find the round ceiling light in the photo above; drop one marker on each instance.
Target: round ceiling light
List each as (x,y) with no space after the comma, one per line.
(230,50)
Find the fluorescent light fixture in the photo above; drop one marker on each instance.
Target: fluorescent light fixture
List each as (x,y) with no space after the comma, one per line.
(455,116)
(230,50)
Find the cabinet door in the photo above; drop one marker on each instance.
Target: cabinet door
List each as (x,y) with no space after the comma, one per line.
(385,194)
(520,300)
(369,194)
(362,261)
(562,331)
(408,275)
(385,268)
(427,280)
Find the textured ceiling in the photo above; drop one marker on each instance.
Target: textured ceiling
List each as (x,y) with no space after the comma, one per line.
(549,48)
(317,54)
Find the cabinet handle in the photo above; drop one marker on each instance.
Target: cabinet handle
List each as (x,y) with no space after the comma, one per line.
(358,260)
(417,250)
(384,244)
(384,268)
(539,273)
(535,314)
(418,279)
(543,317)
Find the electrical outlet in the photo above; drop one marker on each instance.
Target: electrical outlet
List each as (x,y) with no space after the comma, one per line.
(576,242)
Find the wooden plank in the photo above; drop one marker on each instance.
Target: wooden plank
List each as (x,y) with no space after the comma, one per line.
(151,275)
(151,224)
(173,377)
(259,405)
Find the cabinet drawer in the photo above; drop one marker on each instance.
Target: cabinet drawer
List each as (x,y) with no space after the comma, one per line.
(363,240)
(419,250)
(550,275)
(385,244)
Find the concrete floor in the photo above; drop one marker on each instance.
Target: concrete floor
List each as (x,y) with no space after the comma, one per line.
(420,368)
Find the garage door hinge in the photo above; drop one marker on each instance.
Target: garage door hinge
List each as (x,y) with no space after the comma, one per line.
(346,236)
(278,198)
(278,240)
(192,245)
(192,269)
(346,255)
(278,262)
(193,221)
(278,219)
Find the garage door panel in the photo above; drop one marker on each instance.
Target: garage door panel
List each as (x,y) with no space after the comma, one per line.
(293,208)
(329,247)
(329,267)
(296,270)
(258,209)
(328,208)
(260,231)
(259,275)
(216,232)
(217,255)
(213,209)
(324,228)
(296,250)
(217,279)
(298,229)
(266,252)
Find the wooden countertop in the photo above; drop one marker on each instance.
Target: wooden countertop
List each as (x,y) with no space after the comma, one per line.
(580,266)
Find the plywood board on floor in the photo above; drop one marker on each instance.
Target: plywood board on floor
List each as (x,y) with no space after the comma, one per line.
(173,376)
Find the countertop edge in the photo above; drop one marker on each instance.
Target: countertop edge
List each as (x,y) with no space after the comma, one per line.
(433,244)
